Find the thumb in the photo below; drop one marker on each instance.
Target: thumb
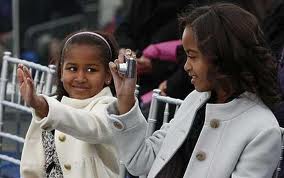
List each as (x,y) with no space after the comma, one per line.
(114,73)
(20,75)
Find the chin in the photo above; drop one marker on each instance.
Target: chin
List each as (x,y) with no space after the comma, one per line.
(201,89)
(80,97)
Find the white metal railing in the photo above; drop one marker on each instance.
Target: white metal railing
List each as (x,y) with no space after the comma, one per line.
(9,92)
(152,117)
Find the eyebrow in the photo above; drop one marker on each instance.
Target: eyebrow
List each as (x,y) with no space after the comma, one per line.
(85,64)
(190,50)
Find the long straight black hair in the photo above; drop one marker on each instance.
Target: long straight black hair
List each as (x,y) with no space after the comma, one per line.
(231,39)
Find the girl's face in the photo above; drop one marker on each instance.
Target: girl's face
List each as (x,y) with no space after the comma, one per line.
(83,73)
(196,64)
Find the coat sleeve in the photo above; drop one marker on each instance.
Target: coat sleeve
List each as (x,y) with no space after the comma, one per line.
(260,157)
(136,150)
(89,126)
(32,158)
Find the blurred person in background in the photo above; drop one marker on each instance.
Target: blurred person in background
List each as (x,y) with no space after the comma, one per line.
(149,22)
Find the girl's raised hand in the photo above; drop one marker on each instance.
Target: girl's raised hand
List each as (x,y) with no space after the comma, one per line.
(125,87)
(28,92)
(26,84)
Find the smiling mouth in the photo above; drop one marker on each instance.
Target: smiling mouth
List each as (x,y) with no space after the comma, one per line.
(192,76)
(80,87)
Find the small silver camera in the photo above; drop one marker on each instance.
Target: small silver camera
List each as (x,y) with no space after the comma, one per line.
(128,68)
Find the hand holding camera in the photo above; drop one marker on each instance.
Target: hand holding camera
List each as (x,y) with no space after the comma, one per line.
(124,76)
(128,68)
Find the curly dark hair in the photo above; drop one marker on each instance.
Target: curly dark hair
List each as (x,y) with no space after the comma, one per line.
(89,38)
(231,39)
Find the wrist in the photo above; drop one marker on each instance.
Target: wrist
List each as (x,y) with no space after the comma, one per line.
(40,106)
(125,104)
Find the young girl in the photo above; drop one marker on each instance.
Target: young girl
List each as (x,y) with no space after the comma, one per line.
(225,127)
(69,135)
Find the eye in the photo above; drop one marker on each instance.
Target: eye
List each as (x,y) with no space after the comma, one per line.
(91,69)
(190,56)
(71,68)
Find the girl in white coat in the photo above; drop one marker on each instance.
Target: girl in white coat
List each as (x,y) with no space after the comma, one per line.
(69,135)
(225,128)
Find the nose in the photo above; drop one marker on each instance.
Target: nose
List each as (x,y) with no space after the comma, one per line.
(80,76)
(187,66)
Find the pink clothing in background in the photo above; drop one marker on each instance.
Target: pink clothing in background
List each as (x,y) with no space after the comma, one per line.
(165,51)
(147,97)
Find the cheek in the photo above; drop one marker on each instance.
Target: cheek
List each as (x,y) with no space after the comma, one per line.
(204,76)
(65,78)
(207,81)
(97,81)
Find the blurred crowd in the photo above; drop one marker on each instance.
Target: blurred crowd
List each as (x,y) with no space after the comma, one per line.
(148,27)
(44,23)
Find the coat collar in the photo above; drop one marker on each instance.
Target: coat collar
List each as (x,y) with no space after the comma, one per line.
(223,111)
(79,103)
(229,110)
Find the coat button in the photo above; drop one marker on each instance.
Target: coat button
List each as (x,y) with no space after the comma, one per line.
(62,137)
(67,166)
(117,125)
(214,123)
(200,155)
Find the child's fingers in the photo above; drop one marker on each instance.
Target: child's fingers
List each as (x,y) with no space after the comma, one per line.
(20,66)
(27,72)
(120,58)
(30,83)
(113,70)
(20,75)
(113,66)
(122,51)
(115,75)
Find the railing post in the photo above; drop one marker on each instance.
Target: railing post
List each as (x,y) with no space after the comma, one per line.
(3,83)
(49,78)
(16,28)
(153,112)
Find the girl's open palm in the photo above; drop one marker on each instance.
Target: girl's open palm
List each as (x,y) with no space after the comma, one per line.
(26,85)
